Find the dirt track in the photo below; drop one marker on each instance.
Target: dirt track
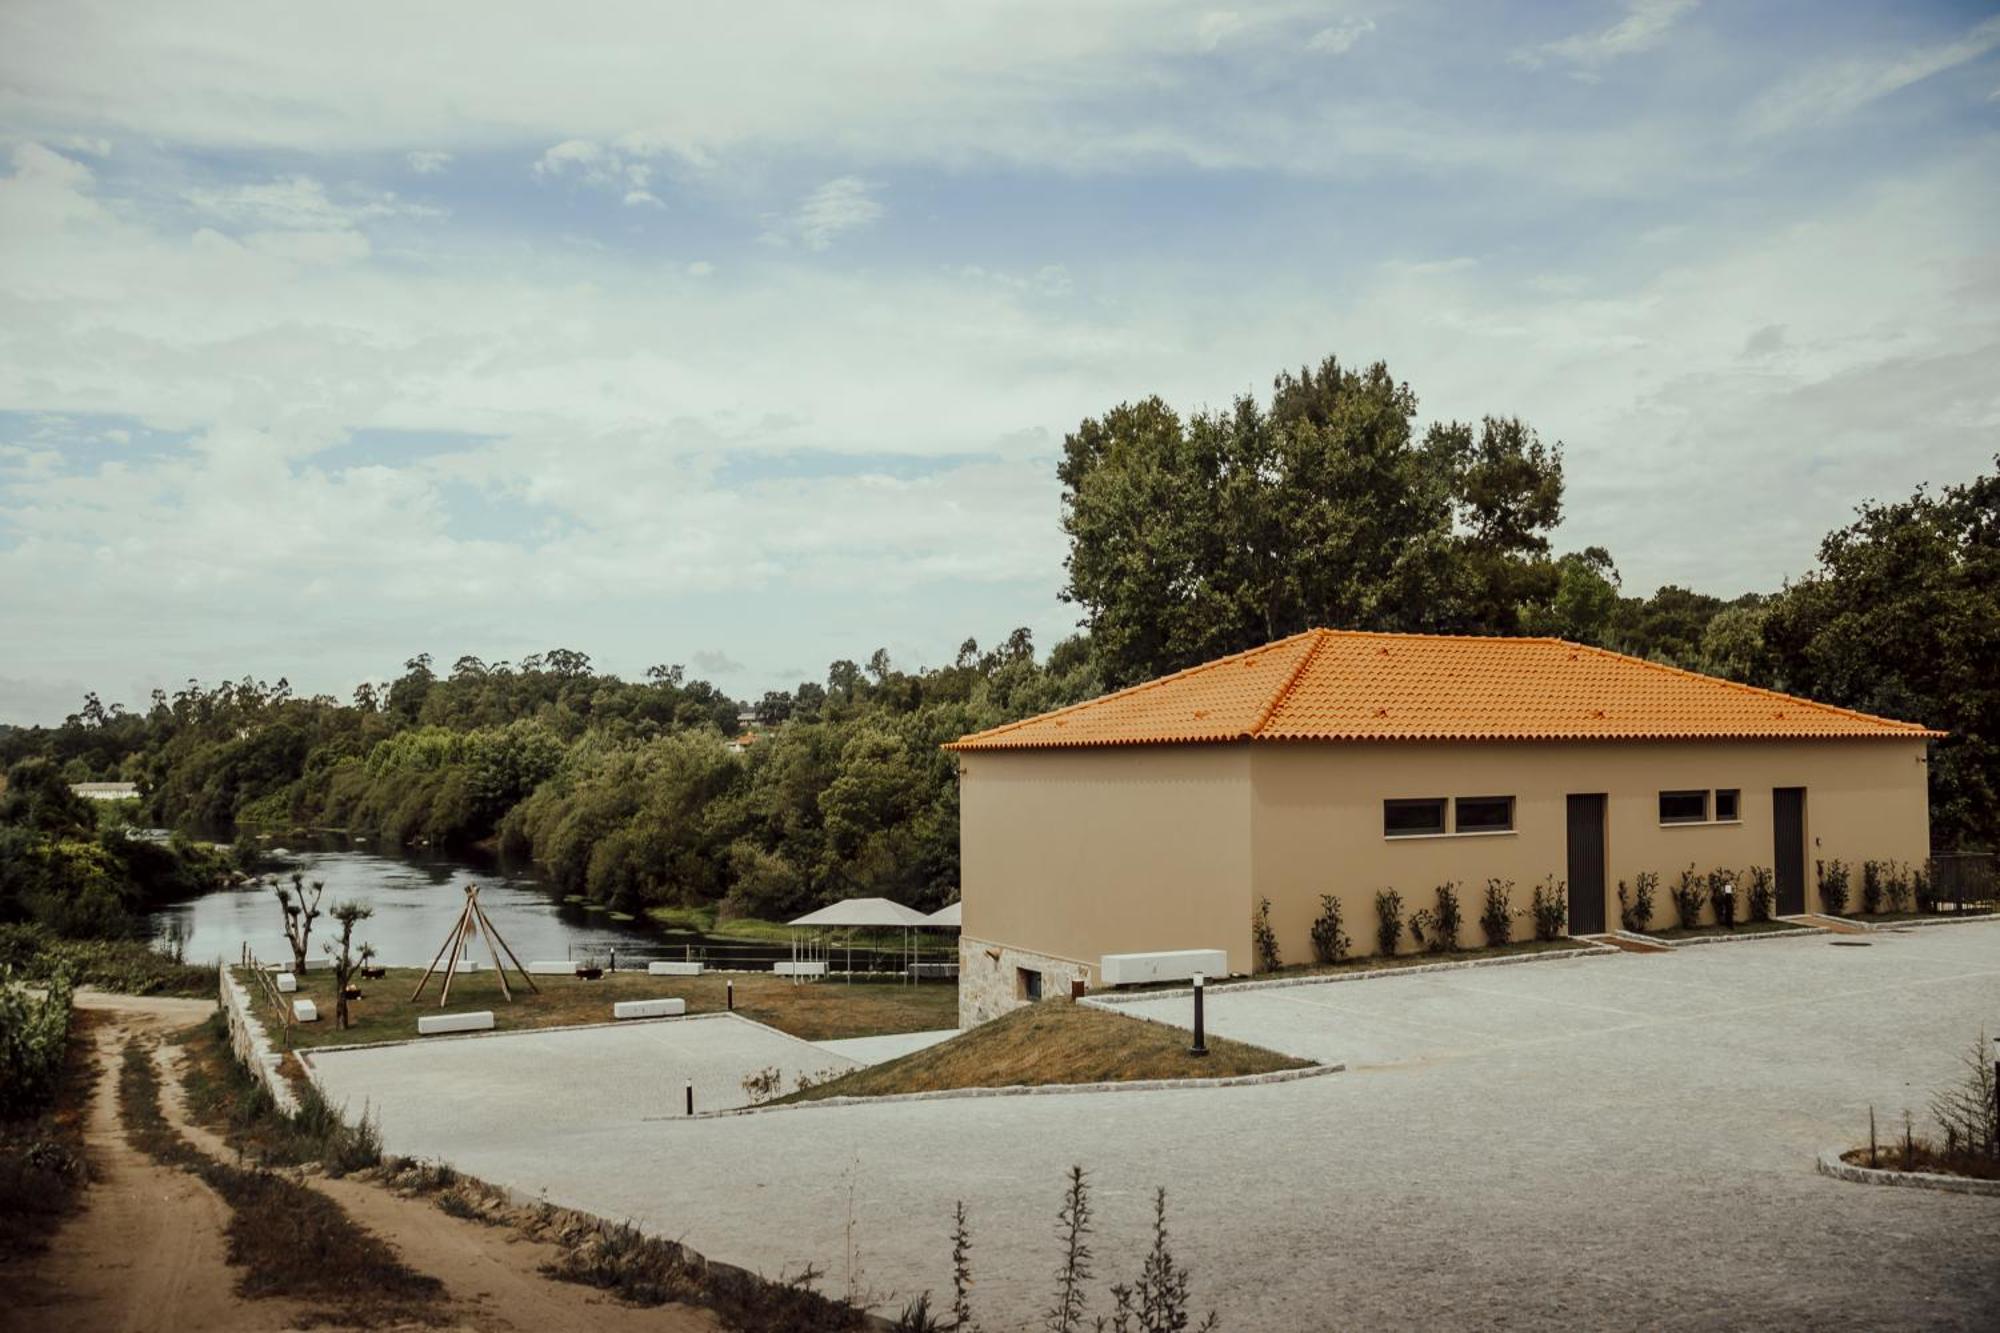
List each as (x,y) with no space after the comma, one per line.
(148,1251)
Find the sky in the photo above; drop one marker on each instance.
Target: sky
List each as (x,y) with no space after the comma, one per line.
(745,336)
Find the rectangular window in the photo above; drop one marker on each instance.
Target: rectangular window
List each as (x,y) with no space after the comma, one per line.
(1683,807)
(1404,819)
(1726,805)
(1485,814)
(1030,983)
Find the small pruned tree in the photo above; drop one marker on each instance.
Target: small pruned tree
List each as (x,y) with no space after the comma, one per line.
(1872,873)
(300,905)
(1896,886)
(1329,941)
(1497,918)
(1833,879)
(1388,922)
(346,962)
(1763,893)
(1722,898)
(1689,895)
(1446,920)
(1551,908)
(1636,914)
(1073,1231)
(1266,938)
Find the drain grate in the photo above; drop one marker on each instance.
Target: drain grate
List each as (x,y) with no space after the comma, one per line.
(1851,944)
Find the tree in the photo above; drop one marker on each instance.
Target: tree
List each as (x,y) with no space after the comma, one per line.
(301,908)
(38,797)
(345,961)
(1191,539)
(1902,618)
(1585,598)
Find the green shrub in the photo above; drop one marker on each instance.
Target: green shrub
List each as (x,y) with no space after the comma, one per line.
(1923,887)
(1896,887)
(1871,887)
(1551,908)
(1762,893)
(1722,898)
(34,1036)
(1688,896)
(1636,915)
(1266,938)
(1329,941)
(1833,878)
(1388,922)
(1497,918)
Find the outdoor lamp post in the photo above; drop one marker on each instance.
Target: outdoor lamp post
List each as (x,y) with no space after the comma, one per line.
(1200,1046)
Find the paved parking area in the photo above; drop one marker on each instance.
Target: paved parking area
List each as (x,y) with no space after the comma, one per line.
(1622,1141)
(547,1083)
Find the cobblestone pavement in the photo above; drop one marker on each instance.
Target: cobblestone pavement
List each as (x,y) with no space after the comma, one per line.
(1617,1142)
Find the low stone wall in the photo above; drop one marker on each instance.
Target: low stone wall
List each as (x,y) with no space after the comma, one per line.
(989,978)
(251,1043)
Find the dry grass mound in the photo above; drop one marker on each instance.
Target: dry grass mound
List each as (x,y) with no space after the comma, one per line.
(1053,1042)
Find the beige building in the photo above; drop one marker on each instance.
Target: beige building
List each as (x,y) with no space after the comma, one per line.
(1159,817)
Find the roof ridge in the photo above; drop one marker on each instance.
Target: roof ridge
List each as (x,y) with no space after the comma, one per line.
(1320,636)
(1141,687)
(1747,688)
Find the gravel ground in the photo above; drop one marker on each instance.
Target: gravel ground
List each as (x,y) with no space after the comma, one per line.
(1620,1141)
(432,1095)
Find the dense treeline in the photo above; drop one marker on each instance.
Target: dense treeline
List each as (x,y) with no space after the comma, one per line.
(1190,537)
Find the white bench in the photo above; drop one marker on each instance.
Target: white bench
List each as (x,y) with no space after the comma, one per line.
(467,965)
(649,1009)
(319,964)
(1127,969)
(287,983)
(432,1025)
(817,968)
(305,1011)
(554,968)
(673,969)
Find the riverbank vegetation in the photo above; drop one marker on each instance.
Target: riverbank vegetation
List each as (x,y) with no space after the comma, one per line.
(664,792)
(1053,1042)
(814,1011)
(46,1074)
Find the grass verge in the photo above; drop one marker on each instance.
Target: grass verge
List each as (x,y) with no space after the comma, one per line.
(1924,1156)
(230,1100)
(290,1239)
(817,1011)
(129,966)
(43,1169)
(1740,928)
(1052,1042)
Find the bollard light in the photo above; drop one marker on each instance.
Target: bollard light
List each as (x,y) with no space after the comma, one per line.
(1200,1046)
(729,993)
(690,1096)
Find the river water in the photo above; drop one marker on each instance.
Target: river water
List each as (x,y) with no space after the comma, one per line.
(416,899)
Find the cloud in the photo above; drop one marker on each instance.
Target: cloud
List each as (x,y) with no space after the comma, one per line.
(841,205)
(427,161)
(1644,26)
(1833,91)
(298,203)
(1340,38)
(715,662)
(617,169)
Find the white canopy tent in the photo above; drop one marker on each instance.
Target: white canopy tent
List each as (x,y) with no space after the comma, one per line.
(945,917)
(852,914)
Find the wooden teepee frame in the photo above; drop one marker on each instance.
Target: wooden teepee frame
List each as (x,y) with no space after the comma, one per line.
(472,921)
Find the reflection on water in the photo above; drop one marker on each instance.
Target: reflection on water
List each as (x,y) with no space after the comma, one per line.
(415,902)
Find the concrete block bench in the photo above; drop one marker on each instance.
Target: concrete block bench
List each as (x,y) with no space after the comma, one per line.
(1127,969)
(305,1011)
(287,983)
(790,969)
(466,965)
(432,1025)
(649,1009)
(554,968)
(319,965)
(674,969)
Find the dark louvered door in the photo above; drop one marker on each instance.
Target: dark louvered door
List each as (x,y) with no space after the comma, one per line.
(1586,865)
(1788,823)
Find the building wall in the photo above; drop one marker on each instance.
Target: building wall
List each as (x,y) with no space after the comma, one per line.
(1072,854)
(1317,819)
(1069,855)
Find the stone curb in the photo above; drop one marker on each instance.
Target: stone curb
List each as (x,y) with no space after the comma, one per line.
(1829,1164)
(306,1053)
(1020,1090)
(1697,940)
(1114,1000)
(1954,920)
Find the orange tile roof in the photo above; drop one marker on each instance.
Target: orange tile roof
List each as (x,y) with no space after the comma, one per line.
(1337,685)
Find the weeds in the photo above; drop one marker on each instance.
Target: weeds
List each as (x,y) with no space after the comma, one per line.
(1329,941)
(1496,919)
(1388,921)
(1073,1234)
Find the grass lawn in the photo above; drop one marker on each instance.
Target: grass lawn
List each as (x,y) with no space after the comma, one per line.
(1740,928)
(1373,963)
(1052,1042)
(1947,914)
(816,1011)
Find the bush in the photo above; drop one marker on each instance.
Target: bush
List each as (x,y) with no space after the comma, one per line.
(1388,922)
(1763,893)
(1871,887)
(34,1040)
(1265,937)
(1896,887)
(1551,908)
(1637,914)
(1497,919)
(1722,898)
(1923,887)
(1832,886)
(1329,941)
(1688,896)
(1968,1111)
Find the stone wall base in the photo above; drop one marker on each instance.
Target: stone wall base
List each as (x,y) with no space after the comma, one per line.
(994,978)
